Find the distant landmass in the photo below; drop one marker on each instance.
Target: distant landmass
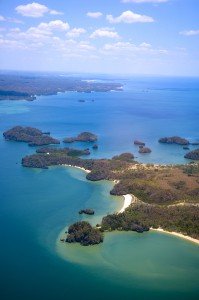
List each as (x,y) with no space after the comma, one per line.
(27,87)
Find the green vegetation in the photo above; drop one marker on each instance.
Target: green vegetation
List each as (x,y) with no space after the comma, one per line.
(17,87)
(168,195)
(84,233)
(82,137)
(194,155)
(184,218)
(124,156)
(32,136)
(87,211)
(174,140)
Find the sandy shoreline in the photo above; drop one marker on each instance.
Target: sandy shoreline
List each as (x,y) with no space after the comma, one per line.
(128,199)
(87,171)
(186,237)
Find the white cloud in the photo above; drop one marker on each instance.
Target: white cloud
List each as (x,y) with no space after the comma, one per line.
(129,17)
(76,32)
(34,10)
(144,1)
(2,18)
(12,20)
(54,25)
(11,44)
(104,32)
(129,49)
(190,32)
(94,15)
(145,45)
(42,33)
(55,12)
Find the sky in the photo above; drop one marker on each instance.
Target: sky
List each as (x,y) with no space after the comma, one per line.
(144,37)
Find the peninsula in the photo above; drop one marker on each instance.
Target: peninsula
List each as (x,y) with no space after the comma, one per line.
(167,196)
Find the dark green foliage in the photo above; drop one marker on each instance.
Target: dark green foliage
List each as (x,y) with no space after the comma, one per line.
(122,222)
(82,137)
(160,186)
(184,219)
(144,150)
(84,233)
(63,151)
(13,95)
(174,140)
(16,87)
(124,156)
(194,155)
(87,211)
(32,136)
(151,185)
(191,169)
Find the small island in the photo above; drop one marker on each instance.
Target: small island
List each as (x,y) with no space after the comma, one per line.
(194,155)
(30,135)
(144,150)
(174,140)
(87,211)
(84,233)
(139,143)
(82,137)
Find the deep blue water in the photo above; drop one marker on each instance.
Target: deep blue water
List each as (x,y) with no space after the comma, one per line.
(36,205)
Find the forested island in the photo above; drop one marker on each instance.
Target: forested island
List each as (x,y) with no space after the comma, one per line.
(28,86)
(30,135)
(84,233)
(82,137)
(168,196)
(194,155)
(174,140)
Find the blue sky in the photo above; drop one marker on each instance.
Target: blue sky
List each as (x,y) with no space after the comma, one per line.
(101,36)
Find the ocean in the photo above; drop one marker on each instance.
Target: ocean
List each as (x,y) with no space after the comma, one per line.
(37,205)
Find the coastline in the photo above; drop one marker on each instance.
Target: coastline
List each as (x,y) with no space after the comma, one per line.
(85,170)
(128,200)
(186,237)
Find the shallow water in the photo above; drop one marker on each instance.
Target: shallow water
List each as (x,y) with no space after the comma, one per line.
(36,205)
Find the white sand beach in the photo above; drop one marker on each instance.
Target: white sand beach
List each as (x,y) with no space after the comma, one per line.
(87,171)
(128,199)
(186,237)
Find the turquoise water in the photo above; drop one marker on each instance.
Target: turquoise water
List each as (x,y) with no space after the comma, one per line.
(36,205)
